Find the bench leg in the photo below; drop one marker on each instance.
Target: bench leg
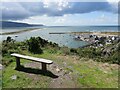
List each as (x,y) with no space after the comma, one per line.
(17,62)
(44,67)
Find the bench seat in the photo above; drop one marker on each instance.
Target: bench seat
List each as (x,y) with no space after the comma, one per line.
(33,58)
(41,60)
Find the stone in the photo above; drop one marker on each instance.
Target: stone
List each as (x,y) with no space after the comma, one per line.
(14,77)
(58,70)
(0,66)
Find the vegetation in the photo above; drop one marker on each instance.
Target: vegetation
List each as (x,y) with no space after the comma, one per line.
(37,45)
(34,45)
(80,64)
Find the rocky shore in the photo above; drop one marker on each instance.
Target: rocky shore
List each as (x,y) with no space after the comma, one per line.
(98,39)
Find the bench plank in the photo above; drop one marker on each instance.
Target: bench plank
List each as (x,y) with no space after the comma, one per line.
(33,58)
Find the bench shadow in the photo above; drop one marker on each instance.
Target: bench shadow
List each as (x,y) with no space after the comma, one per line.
(36,71)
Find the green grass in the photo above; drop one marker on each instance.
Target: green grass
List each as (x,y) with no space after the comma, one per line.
(85,72)
(88,74)
(0,79)
(22,81)
(94,77)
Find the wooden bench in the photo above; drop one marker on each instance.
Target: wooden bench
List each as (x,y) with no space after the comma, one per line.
(41,60)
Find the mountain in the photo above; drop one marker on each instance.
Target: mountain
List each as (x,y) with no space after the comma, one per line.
(5,24)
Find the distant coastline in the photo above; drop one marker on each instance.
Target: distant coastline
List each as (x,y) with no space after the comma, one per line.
(9,24)
(20,31)
(97,33)
(75,33)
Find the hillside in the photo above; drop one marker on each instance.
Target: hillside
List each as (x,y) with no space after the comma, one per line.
(71,68)
(6,24)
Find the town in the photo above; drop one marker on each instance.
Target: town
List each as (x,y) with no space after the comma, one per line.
(98,40)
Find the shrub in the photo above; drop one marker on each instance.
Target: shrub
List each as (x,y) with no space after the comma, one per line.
(89,52)
(52,51)
(72,50)
(4,51)
(41,41)
(114,58)
(34,46)
(9,39)
(65,50)
(6,61)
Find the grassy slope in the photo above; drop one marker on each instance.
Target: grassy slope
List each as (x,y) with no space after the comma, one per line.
(85,73)
(0,79)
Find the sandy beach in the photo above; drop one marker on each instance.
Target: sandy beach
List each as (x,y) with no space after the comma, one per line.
(16,32)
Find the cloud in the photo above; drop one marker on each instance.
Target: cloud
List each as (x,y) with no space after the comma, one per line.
(23,10)
(13,11)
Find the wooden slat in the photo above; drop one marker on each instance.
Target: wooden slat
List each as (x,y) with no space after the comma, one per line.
(33,58)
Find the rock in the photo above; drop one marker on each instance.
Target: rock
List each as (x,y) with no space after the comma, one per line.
(14,77)
(0,66)
(61,69)
(54,66)
(105,72)
(64,63)
(58,70)
(106,65)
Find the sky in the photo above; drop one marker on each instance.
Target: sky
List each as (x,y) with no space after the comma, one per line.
(61,12)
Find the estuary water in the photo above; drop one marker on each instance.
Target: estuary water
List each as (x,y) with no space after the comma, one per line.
(61,39)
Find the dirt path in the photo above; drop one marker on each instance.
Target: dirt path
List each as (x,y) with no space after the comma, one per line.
(64,79)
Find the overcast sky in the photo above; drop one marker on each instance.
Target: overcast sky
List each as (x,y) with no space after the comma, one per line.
(61,13)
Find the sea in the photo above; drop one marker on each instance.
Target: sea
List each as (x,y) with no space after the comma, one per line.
(65,39)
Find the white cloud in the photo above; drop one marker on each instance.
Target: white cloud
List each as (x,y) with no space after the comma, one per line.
(113,0)
(47,1)
(59,13)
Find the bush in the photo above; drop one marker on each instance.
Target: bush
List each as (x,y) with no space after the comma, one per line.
(72,50)
(34,46)
(7,60)
(89,52)
(41,41)
(114,58)
(65,50)
(9,39)
(4,51)
(52,51)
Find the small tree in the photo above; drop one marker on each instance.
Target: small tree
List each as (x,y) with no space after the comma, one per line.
(9,39)
(34,46)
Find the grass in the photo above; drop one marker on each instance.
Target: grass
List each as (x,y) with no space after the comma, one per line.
(85,73)
(94,77)
(78,68)
(0,79)
(22,81)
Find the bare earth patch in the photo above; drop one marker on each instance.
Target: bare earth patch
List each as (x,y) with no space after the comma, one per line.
(64,79)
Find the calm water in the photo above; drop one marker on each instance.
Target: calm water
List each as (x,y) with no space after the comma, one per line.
(61,39)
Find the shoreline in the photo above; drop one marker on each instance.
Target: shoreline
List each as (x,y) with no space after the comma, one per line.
(98,33)
(20,31)
(106,33)
(92,33)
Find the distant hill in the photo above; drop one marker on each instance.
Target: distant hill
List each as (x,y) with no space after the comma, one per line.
(5,24)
